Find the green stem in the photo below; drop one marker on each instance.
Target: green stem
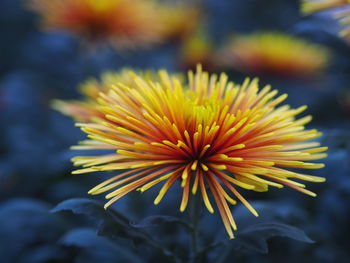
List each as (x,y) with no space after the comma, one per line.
(194,218)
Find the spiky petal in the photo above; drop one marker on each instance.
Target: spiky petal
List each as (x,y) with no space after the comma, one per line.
(209,134)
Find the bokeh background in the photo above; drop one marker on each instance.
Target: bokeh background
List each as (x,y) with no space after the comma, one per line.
(37,66)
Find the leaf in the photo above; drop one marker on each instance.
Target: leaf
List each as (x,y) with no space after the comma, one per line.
(156,220)
(112,223)
(270,211)
(110,228)
(117,224)
(83,206)
(255,237)
(32,224)
(86,238)
(43,254)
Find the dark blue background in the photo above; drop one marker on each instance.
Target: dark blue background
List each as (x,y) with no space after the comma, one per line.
(36,67)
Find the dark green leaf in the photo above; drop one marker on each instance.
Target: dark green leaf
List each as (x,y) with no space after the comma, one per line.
(81,206)
(112,223)
(110,228)
(255,237)
(269,211)
(24,223)
(86,238)
(43,254)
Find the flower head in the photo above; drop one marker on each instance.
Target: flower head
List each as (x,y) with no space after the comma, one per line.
(87,110)
(341,10)
(114,21)
(274,53)
(310,6)
(196,49)
(179,20)
(208,133)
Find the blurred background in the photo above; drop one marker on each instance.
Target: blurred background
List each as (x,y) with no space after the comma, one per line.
(47,51)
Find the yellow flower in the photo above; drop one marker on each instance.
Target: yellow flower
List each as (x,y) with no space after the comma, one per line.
(117,22)
(310,6)
(86,110)
(205,132)
(179,20)
(195,49)
(274,53)
(343,11)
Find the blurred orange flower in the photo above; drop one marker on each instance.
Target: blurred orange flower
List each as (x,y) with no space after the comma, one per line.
(87,109)
(274,53)
(195,49)
(121,23)
(179,20)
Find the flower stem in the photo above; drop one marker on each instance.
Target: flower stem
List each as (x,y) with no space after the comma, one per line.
(194,218)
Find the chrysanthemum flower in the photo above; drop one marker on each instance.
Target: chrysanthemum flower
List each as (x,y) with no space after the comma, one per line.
(209,134)
(179,20)
(310,6)
(196,49)
(274,53)
(82,110)
(341,10)
(117,22)
(86,110)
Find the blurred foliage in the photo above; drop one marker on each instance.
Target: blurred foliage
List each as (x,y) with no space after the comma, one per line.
(37,67)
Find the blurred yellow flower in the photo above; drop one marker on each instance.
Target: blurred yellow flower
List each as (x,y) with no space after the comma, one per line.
(117,22)
(87,110)
(341,11)
(207,133)
(195,49)
(310,6)
(274,53)
(179,20)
